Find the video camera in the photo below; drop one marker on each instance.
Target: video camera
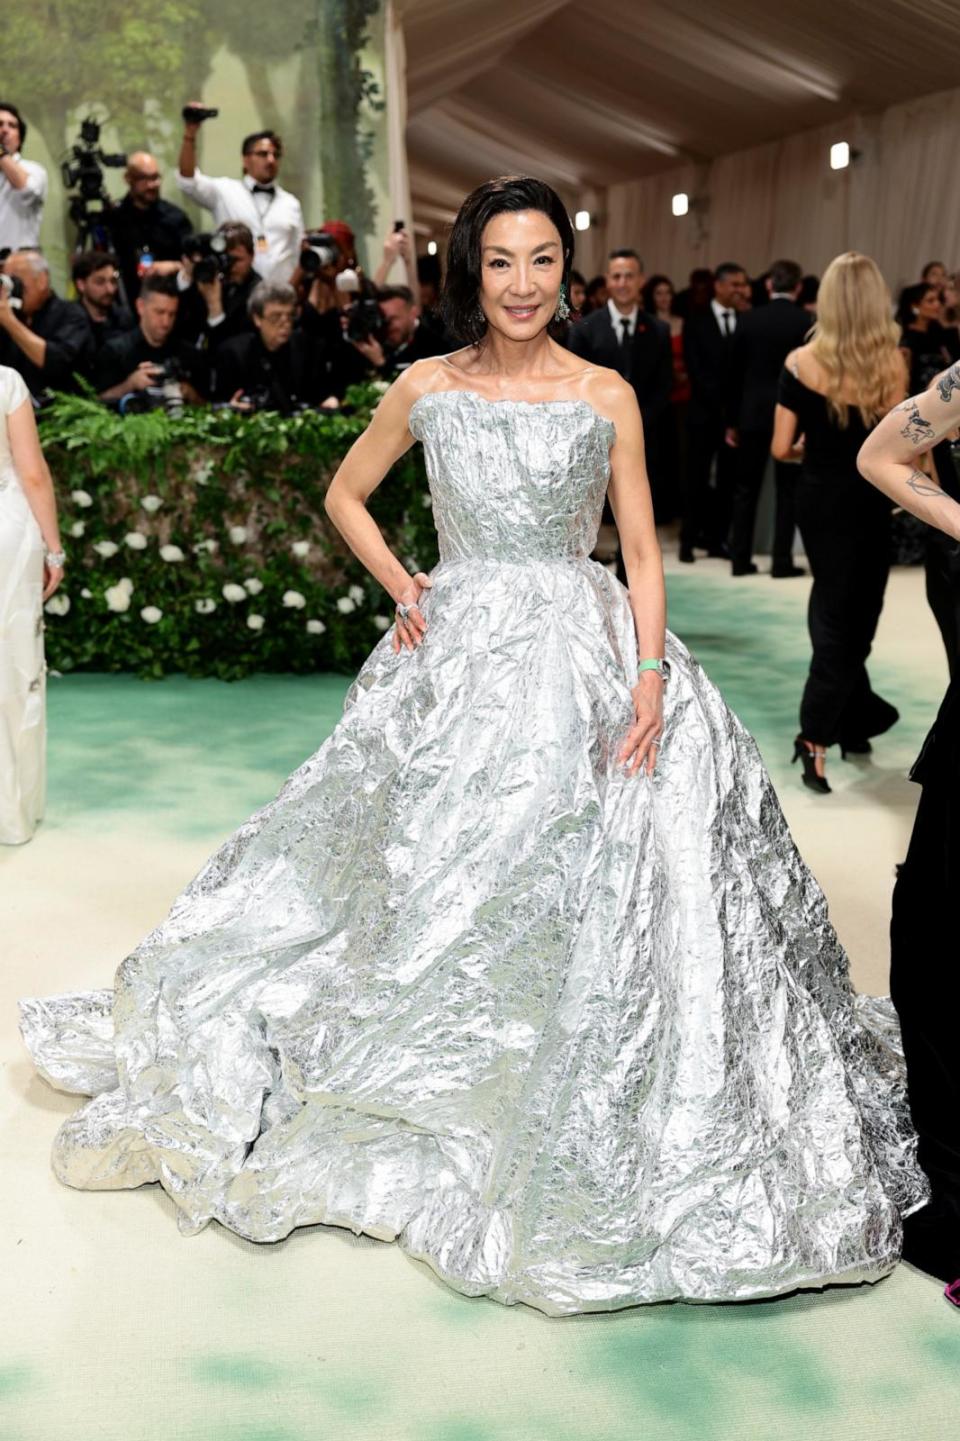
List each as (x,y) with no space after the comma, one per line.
(209,255)
(82,171)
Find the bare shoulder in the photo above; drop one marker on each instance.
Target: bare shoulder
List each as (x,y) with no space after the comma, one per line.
(610,394)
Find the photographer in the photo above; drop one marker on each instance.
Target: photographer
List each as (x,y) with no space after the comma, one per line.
(406,336)
(275,368)
(148,233)
(215,286)
(43,337)
(23,184)
(137,361)
(272,214)
(398,246)
(97,284)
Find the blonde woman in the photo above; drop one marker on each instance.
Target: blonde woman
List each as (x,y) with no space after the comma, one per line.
(31,568)
(833,391)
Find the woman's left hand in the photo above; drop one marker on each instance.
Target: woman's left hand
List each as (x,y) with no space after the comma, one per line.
(639,748)
(52,576)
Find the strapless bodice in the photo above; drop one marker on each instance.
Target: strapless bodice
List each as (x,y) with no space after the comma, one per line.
(513,480)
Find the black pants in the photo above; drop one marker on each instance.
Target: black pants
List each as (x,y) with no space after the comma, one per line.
(707,506)
(925,978)
(941,564)
(752,455)
(845,525)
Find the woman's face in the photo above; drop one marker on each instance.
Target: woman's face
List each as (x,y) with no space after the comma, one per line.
(663,296)
(578,294)
(930,306)
(521,267)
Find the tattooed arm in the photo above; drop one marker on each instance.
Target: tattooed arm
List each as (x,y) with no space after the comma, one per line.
(889,455)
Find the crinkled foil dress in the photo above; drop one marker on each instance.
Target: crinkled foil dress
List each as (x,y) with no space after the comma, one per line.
(574,1038)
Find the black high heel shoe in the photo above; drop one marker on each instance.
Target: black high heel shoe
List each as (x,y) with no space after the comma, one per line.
(802,751)
(855,748)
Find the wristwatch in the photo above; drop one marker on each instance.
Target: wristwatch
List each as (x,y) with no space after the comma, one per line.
(660,665)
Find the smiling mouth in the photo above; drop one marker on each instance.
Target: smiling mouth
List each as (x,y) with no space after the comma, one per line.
(521,312)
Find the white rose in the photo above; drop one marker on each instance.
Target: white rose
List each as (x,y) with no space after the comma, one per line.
(118,596)
(345,605)
(315,627)
(151,503)
(135,539)
(427,500)
(171,553)
(208,545)
(357,594)
(77,529)
(301,549)
(255,622)
(82,498)
(238,534)
(253,586)
(106,548)
(293,600)
(205,606)
(203,472)
(382,622)
(57,605)
(86,594)
(233,593)
(126,584)
(380,385)
(151,614)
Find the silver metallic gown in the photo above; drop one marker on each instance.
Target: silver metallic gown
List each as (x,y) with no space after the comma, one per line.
(576,1039)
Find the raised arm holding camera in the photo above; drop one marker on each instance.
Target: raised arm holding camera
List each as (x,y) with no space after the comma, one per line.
(399,246)
(273,214)
(23,184)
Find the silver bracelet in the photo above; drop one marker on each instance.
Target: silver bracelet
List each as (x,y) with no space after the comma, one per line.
(56,559)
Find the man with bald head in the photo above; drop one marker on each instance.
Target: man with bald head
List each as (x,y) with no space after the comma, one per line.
(148,233)
(46,339)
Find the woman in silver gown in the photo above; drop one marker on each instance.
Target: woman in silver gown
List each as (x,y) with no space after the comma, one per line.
(31,568)
(567,1021)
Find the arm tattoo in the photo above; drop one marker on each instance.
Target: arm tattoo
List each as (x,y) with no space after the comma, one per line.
(948,383)
(921,484)
(917,430)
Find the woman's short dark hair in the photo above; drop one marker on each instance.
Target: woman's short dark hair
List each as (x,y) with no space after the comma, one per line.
(12,110)
(459,303)
(910,297)
(649,290)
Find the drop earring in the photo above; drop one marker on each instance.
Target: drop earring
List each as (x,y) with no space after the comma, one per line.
(562,311)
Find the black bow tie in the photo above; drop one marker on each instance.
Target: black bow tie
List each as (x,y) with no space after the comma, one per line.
(264,190)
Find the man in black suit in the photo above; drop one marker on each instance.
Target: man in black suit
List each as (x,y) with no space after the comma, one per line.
(622,336)
(763,339)
(707,344)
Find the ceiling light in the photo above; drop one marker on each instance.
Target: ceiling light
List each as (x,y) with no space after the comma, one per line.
(680,204)
(839,155)
(582,220)
(431,247)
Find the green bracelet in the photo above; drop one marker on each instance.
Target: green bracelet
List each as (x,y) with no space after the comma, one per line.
(659,664)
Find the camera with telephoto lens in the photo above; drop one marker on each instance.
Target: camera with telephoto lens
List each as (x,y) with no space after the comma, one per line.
(196,114)
(12,287)
(209,256)
(320,251)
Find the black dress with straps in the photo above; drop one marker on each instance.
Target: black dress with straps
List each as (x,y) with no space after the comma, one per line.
(845,525)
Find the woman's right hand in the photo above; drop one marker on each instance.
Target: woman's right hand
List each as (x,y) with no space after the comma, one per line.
(52,576)
(410,632)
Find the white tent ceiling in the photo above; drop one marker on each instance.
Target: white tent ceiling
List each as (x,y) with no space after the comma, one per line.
(591,93)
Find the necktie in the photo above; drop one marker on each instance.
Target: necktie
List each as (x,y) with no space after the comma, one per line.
(727,322)
(264,190)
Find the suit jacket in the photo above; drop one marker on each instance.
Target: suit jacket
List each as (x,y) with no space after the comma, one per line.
(707,355)
(65,328)
(649,367)
(761,343)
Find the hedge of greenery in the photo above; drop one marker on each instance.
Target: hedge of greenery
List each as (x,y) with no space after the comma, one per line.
(200,544)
